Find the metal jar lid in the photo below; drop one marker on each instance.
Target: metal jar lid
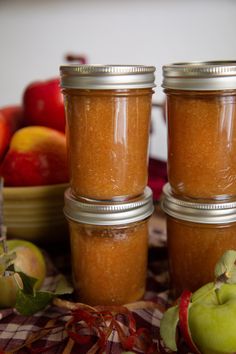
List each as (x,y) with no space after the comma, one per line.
(108,213)
(200,76)
(204,213)
(107,77)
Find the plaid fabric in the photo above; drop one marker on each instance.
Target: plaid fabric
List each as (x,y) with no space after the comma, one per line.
(15,329)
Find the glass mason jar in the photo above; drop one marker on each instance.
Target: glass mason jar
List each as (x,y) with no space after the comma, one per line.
(201,116)
(109,247)
(108,111)
(197,236)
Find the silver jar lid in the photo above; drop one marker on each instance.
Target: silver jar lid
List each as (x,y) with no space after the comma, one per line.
(200,76)
(204,213)
(92,212)
(107,77)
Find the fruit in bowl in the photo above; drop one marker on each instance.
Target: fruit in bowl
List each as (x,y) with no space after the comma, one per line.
(37,156)
(11,119)
(33,164)
(27,258)
(43,104)
(206,318)
(35,176)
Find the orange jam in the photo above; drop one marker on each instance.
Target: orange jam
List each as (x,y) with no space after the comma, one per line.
(108,135)
(197,236)
(201,115)
(109,264)
(202,143)
(109,246)
(194,249)
(108,112)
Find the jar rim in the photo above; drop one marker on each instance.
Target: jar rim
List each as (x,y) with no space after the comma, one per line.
(200,75)
(88,211)
(193,211)
(107,77)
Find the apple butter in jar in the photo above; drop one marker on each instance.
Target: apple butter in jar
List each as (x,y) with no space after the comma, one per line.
(108,111)
(109,247)
(201,115)
(197,236)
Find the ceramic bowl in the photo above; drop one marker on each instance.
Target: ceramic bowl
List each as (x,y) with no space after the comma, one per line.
(35,213)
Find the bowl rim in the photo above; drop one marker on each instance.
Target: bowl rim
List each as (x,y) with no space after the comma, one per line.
(32,192)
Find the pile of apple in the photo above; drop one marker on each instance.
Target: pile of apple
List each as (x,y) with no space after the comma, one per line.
(206,319)
(32,137)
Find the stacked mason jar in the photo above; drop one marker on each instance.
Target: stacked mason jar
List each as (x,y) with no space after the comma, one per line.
(200,199)
(108,109)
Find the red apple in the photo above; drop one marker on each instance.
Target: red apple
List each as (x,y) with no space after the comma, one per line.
(36,156)
(43,104)
(11,119)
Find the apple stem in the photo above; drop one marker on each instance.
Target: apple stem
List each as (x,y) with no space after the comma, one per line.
(76,58)
(221,279)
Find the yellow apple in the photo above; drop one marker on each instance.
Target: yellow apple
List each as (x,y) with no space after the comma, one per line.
(37,156)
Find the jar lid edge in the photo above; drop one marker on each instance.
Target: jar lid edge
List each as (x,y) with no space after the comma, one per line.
(200,75)
(108,213)
(207,213)
(99,76)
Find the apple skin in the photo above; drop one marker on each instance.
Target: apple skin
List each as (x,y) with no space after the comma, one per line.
(11,119)
(29,260)
(8,288)
(36,156)
(184,303)
(43,104)
(212,319)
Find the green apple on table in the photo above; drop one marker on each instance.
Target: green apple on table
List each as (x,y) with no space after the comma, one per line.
(206,318)
(28,259)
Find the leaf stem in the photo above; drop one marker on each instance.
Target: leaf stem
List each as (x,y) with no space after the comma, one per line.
(201,296)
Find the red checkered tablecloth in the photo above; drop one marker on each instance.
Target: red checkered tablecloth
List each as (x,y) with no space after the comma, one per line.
(17,330)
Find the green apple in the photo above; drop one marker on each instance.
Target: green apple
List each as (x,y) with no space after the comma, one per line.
(29,260)
(206,318)
(212,320)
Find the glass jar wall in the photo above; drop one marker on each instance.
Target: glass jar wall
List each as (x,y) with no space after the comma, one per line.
(194,249)
(109,247)
(201,114)
(109,264)
(197,236)
(108,112)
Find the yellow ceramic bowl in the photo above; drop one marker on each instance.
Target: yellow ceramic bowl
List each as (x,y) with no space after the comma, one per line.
(35,213)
